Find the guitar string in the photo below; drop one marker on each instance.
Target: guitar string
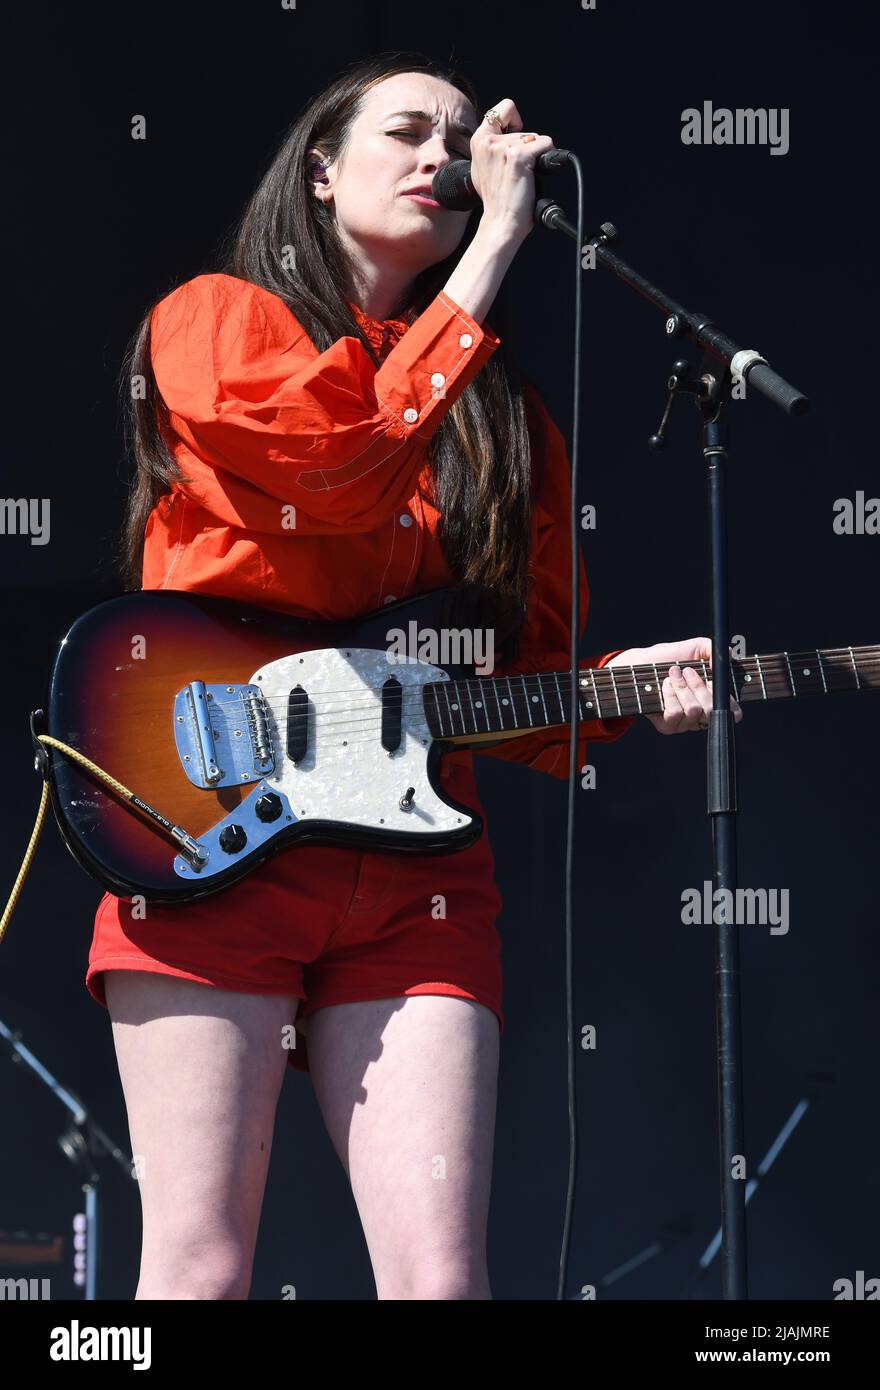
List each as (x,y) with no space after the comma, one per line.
(472,686)
(541,685)
(739,663)
(343,721)
(364,731)
(368,737)
(605,681)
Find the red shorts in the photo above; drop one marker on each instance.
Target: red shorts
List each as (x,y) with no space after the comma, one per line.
(331,926)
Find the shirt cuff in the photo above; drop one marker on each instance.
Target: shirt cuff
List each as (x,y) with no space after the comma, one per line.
(431,365)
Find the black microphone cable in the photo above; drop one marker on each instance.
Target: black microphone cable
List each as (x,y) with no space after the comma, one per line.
(573,743)
(452,187)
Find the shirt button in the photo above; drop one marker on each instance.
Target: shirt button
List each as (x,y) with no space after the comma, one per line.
(410,415)
(437,379)
(392,598)
(406,519)
(466,340)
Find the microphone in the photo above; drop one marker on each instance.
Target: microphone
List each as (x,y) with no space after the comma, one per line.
(452,186)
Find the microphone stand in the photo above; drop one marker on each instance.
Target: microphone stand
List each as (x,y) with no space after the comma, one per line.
(83,1143)
(724,366)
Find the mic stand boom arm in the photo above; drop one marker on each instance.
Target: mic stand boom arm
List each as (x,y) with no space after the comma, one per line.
(744,364)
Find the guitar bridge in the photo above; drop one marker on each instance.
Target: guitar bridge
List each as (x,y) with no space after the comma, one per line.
(222,734)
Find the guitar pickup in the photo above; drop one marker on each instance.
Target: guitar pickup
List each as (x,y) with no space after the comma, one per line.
(392,714)
(297,724)
(222,734)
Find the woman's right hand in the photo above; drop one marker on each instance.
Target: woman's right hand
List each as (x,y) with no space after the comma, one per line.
(502,172)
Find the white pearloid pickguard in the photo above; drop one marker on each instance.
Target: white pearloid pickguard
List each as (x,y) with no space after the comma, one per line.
(346,775)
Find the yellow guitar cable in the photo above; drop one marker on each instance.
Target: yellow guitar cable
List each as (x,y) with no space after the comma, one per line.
(41,815)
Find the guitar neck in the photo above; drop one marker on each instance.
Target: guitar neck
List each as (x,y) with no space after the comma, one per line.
(515,704)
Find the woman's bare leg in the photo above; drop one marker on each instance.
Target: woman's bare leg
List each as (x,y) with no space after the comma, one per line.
(201,1070)
(407,1088)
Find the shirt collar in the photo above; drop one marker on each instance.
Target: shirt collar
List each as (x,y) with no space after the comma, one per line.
(378,331)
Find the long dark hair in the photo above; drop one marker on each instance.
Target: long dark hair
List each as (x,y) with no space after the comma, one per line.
(480,455)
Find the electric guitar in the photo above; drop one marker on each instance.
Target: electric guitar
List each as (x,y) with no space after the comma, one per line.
(237,731)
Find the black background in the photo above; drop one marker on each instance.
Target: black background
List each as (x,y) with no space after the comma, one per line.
(780,251)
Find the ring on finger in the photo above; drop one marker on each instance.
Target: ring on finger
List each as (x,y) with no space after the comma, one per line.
(493,117)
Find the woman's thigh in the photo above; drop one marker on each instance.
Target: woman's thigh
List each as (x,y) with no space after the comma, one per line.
(407,1088)
(201,1069)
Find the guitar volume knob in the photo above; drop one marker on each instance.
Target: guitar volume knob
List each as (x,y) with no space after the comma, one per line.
(233,839)
(268,806)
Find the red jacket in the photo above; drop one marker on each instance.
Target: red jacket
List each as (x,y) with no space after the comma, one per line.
(306,468)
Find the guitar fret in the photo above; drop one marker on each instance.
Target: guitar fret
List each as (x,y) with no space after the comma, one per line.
(512,702)
(521,719)
(559,698)
(733,683)
(449,707)
(598,702)
(543,701)
(614,688)
(482,703)
(638,696)
(790,676)
(761,674)
(526,698)
(855,668)
(821,669)
(498,703)
(473,711)
(659,686)
(481,685)
(583,704)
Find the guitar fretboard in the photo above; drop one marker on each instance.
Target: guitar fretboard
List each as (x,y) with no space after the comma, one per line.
(508,704)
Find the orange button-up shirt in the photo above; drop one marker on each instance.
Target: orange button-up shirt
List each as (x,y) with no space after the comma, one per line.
(307,466)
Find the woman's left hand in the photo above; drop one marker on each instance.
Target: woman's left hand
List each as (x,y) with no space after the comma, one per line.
(687,698)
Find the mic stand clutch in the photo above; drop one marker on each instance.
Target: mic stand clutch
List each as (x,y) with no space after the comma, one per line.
(724,365)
